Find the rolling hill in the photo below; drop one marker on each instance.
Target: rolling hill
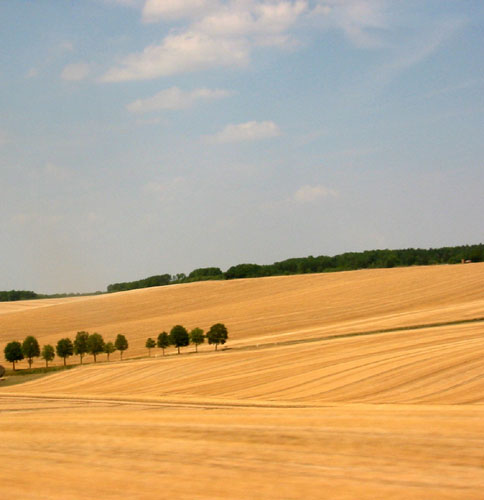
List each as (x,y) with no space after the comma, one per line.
(356,385)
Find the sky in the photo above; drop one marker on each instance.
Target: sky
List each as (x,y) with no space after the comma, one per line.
(142,137)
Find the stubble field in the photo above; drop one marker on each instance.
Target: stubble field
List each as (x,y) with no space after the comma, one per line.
(364,384)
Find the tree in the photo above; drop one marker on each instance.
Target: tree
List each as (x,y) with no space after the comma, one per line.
(179,337)
(30,349)
(64,349)
(95,345)
(109,348)
(150,343)
(197,337)
(163,341)
(217,334)
(121,344)
(13,352)
(80,344)
(47,354)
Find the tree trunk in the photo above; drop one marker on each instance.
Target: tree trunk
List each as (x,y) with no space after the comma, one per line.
(163,351)
(178,349)
(216,347)
(64,361)
(46,364)
(121,352)
(30,363)
(94,358)
(108,356)
(149,352)
(80,355)
(13,363)
(196,347)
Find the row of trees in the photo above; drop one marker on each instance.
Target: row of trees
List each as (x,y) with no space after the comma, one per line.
(348,261)
(180,337)
(94,344)
(83,344)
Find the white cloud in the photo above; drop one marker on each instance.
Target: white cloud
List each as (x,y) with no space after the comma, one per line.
(75,72)
(362,21)
(175,98)
(310,194)
(250,131)
(156,10)
(213,33)
(179,54)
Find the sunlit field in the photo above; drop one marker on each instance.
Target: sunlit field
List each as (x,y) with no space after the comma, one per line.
(364,384)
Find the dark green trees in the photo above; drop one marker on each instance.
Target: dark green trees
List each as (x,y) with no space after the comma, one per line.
(150,343)
(80,344)
(64,349)
(217,334)
(121,344)
(163,341)
(95,345)
(109,348)
(13,352)
(30,349)
(179,337)
(47,354)
(197,337)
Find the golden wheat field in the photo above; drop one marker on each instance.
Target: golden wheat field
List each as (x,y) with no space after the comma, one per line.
(355,385)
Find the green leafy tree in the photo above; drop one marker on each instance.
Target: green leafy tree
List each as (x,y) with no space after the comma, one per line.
(64,349)
(121,344)
(150,343)
(95,345)
(179,337)
(109,348)
(217,334)
(80,344)
(47,354)
(13,352)
(30,349)
(163,341)
(197,337)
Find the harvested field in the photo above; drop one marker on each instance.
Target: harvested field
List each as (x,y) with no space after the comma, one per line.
(261,310)
(310,401)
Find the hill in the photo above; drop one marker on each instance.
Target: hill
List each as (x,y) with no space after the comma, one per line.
(311,400)
(261,310)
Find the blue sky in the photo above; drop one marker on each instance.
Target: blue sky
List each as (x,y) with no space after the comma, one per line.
(141,137)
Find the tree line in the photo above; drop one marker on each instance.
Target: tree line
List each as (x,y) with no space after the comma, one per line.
(94,344)
(83,344)
(369,259)
(180,337)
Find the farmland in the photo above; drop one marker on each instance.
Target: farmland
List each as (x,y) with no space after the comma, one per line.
(361,384)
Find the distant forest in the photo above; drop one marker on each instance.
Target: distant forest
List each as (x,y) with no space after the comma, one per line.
(369,259)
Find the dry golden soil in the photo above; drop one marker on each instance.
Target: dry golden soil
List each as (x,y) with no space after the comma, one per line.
(356,385)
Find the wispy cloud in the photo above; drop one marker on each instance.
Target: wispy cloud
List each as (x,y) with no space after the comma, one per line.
(419,49)
(213,33)
(75,72)
(249,131)
(310,194)
(175,98)
(179,53)
(157,10)
(362,21)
